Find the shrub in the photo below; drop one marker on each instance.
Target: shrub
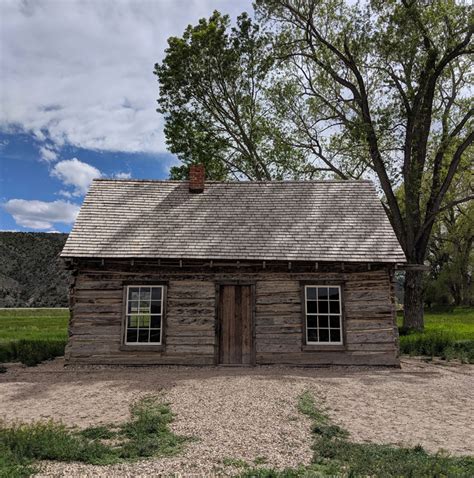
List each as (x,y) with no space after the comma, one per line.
(31,352)
(436,343)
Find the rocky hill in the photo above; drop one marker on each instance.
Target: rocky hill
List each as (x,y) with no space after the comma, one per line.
(30,271)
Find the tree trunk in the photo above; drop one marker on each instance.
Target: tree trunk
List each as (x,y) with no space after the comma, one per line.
(413,301)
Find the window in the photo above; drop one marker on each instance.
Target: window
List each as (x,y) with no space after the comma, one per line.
(323,314)
(144,315)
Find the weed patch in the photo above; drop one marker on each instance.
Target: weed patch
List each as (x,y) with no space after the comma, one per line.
(146,434)
(335,455)
(31,352)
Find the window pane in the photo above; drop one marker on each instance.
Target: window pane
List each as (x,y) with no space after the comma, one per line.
(322,293)
(156,307)
(334,293)
(155,335)
(143,335)
(144,321)
(323,335)
(311,292)
(155,321)
(323,307)
(323,321)
(145,293)
(132,320)
(144,306)
(335,335)
(132,307)
(133,293)
(311,307)
(156,293)
(334,321)
(131,335)
(312,335)
(334,307)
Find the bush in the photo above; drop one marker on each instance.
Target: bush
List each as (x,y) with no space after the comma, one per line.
(31,352)
(436,343)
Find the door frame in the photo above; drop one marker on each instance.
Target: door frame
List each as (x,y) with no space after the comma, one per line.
(218,324)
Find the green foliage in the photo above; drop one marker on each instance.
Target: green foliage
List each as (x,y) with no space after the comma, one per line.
(30,271)
(449,335)
(31,352)
(146,434)
(31,336)
(213,83)
(98,433)
(235,462)
(451,257)
(335,455)
(341,89)
(33,324)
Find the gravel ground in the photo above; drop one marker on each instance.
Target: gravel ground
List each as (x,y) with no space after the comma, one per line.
(250,414)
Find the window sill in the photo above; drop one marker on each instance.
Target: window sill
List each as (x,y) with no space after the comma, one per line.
(323,348)
(141,348)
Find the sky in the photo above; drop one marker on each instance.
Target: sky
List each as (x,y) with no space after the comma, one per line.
(78,99)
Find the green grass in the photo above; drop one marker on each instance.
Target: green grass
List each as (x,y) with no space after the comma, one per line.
(449,335)
(31,336)
(146,434)
(335,455)
(33,324)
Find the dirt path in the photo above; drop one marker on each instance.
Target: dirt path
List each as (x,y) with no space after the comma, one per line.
(250,414)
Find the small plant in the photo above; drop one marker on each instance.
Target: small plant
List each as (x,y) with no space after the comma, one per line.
(235,462)
(260,460)
(146,434)
(335,455)
(98,433)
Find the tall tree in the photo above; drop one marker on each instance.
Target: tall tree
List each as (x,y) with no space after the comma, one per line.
(384,92)
(451,258)
(212,93)
(378,90)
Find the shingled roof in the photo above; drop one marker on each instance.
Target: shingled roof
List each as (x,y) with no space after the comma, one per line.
(288,220)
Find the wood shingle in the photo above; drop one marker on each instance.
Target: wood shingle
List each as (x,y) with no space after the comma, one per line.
(287,220)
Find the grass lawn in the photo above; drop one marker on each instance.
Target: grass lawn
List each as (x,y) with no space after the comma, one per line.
(447,334)
(459,323)
(32,335)
(33,324)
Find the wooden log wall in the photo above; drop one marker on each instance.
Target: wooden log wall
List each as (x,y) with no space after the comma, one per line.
(369,327)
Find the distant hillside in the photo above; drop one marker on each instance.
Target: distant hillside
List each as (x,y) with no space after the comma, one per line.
(30,272)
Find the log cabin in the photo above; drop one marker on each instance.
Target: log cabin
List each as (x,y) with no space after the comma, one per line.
(232,273)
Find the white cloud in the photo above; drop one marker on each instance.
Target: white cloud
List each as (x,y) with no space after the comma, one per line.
(41,214)
(80,72)
(75,173)
(48,154)
(122,175)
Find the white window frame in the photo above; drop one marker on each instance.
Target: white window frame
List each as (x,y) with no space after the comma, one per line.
(322,286)
(127,314)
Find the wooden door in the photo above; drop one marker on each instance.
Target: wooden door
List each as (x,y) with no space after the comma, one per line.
(235,325)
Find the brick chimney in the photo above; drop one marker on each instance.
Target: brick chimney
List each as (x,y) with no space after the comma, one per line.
(197,174)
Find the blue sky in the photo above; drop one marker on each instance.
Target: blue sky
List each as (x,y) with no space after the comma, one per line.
(78,99)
